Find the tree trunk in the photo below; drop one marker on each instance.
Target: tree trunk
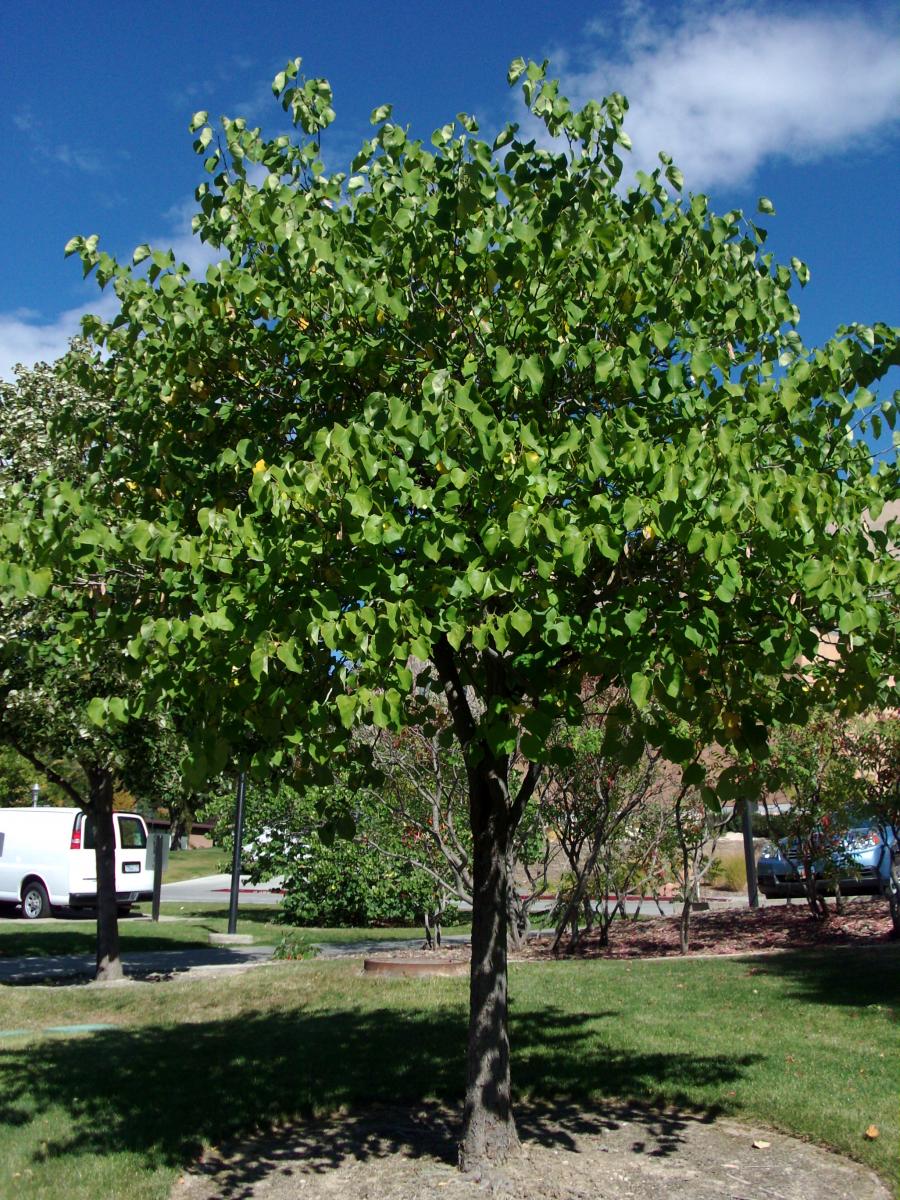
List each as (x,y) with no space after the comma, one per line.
(489,1132)
(814,898)
(684,924)
(109,965)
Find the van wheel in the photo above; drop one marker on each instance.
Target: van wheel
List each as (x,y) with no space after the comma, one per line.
(35,901)
(123,910)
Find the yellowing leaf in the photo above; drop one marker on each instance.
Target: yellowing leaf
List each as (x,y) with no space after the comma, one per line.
(872,1133)
(259,466)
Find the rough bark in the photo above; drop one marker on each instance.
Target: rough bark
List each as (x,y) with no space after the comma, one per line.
(489,1132)
(109,965)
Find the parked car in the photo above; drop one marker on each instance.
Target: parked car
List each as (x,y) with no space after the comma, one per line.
(47,860)
(859,859)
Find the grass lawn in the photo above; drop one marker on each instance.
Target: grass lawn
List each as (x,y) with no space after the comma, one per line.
(194,864)
(807,1042)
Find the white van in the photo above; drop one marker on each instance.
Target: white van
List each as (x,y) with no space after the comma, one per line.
(47,860)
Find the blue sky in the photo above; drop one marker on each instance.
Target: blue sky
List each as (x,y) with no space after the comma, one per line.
(797,102)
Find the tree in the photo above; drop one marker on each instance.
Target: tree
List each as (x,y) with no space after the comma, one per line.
(48,687)
(420,787)
(874,743)
(826,791)
(604,807)
(697,829)
(485,405)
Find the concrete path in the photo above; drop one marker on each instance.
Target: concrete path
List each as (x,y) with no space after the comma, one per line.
(381,946)
(138,964)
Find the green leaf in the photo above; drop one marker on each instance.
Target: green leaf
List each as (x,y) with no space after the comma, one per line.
(517,525)
(521,621)
(765,205)
(635,619)
(259,662)
(640,686)
(693,775)
(533,371)
(504,364)
(346,706)
(381,113)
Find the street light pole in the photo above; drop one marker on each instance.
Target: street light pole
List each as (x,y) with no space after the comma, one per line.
(236,860)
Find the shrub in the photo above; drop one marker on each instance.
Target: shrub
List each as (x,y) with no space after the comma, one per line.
(348,883)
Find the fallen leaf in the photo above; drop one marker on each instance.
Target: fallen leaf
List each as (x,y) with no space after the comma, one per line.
(759,1144)
(871,1133)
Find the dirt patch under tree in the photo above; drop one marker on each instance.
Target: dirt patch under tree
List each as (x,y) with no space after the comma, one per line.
(613,1153)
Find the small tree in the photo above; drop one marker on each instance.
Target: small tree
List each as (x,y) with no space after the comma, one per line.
(873,744)
(826,794)
(482,404)
(596,806)
(421,788)
(698,826)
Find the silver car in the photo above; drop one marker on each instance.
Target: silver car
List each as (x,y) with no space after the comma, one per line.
(860,860)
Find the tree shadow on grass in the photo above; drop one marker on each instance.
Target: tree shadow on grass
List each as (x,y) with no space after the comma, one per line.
(163,1092)
(854,977)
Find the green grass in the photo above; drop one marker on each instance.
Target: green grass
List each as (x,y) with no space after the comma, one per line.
(807,1042)
(194,864)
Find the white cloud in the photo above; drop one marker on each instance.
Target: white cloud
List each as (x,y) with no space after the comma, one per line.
(25,339)
(721,90)
(186,247)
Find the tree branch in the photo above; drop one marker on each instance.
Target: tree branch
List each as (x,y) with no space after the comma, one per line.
(47,771)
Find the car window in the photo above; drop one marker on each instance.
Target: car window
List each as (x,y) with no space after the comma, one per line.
(132,834)
(87,834)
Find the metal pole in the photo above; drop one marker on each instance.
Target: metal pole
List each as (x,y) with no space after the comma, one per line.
(749,856)
(35,792)
(157,874)
(236,860)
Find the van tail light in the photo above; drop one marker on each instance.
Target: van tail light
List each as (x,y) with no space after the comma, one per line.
(75,843)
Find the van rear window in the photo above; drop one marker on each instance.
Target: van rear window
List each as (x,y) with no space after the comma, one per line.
(132,834)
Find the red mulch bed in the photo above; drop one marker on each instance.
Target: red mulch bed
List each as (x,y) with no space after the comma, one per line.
(866,922)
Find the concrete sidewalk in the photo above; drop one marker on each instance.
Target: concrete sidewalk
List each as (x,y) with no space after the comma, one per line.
(140,964)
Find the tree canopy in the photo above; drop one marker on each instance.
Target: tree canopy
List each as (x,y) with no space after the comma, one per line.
(486,405)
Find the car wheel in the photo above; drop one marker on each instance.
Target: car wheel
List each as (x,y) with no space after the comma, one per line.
(123,909)
(35,902)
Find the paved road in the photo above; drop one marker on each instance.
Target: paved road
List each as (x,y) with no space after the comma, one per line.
(215,889)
